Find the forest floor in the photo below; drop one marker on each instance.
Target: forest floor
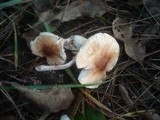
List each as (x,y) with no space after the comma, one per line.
(130,91)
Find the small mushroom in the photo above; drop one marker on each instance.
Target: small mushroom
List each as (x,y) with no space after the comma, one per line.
(74,43)
(98,56)
(50,46)
(64,117)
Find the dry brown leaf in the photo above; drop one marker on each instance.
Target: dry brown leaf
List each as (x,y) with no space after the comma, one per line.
(136,50)
(51,100)
(78,9)
(125,95)
(121,29)
(74,10)
(133,47)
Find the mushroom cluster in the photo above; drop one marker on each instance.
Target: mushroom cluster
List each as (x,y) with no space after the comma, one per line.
(96,55)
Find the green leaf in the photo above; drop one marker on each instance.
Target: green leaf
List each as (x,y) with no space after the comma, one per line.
(80,116)
(92,114)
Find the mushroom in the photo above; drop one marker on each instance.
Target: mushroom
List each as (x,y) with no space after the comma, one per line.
(98,56)
(74,43)
(64,117)
(50,46)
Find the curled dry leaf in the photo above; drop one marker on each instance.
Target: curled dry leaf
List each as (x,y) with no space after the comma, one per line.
(50,46)
(125,95)
(51,100)
(80,8)
(121,29)
(98,55)
(133,47)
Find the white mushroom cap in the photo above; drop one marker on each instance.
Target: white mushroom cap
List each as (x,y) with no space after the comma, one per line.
(78,41)
(50,46)
(98,55)
(64,117)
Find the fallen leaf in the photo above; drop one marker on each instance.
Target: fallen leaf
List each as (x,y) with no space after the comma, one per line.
(133,47)
(125,96)
(72,11)
(51,100)
(153,8)
(136,50)
(78,9)
(121,29)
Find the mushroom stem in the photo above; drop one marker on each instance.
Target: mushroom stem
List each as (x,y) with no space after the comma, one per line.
(55,67)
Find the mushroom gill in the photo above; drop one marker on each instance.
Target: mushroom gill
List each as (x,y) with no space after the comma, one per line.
(50,46)
(98,55)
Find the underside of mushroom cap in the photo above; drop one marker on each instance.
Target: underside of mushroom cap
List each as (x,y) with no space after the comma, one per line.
(98,56)
(50,46)
(100,51)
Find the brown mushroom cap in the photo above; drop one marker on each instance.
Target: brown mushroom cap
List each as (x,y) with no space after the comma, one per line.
(50,46)
(98,55)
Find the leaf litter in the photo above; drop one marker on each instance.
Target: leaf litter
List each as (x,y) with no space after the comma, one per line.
(72,11)
(72,17)
(50,100)
(133,47)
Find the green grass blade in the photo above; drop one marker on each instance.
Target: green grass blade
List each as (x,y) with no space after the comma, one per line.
(9,3)
(42,87)
(15,41)
(69,72)
(49,28)
(19,8)
(15,46)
